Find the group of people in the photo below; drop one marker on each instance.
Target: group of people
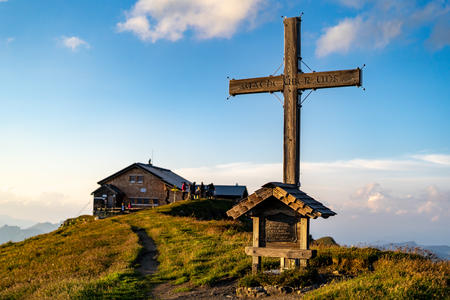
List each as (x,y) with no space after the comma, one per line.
(198,191)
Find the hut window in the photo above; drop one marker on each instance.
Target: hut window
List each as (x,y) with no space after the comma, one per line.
(140,179)
(155,202)
(132,179)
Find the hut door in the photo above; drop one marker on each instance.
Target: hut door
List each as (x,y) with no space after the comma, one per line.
(110,201)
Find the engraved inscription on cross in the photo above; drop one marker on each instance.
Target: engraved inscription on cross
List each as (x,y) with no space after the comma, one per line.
(292,83)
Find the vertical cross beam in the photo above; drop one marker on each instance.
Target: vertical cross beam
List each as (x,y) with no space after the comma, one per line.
(292,97)
(291,155)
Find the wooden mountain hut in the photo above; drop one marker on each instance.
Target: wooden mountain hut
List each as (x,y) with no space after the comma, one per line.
(140,186)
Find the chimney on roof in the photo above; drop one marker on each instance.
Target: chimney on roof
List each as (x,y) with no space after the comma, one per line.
(150,161)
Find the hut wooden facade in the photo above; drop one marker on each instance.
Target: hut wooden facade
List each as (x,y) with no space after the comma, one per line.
(140,185)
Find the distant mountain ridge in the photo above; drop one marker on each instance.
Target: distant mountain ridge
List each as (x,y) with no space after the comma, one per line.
(17,234)
(441,251)
(23,223)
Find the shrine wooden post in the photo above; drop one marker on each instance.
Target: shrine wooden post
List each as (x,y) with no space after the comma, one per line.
(292,82)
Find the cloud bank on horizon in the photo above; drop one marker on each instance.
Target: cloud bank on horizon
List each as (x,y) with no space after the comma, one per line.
(377,194)
(364,192)
(152,20)
(379,23)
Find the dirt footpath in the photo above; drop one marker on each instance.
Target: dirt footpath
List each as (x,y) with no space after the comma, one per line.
(148,265)
(166,291)
(147,259)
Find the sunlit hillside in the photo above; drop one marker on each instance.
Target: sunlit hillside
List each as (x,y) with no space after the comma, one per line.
(89,258)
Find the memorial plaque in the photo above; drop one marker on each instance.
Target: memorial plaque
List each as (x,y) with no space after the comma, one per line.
(280,228)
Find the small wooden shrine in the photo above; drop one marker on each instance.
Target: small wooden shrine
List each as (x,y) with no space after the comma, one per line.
(280,214)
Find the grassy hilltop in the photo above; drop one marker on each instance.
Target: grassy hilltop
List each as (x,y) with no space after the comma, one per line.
(89,258)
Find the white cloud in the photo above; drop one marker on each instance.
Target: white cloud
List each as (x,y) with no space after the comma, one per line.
(152,20)
(428,201)
(339,38)
(370,196)
(440,159)
(376,202)
(365,164)
(352,3)
(401,212)
(74,43)
(382,23)
(358,33)
(440,36)
(46,206)
(434,203)
(10,40)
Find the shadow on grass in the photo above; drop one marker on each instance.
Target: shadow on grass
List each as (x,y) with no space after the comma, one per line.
(117,286)
(202,209)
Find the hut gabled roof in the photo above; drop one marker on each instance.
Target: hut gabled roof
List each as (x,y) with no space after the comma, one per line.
(109,187)
(288,194)
(165,175)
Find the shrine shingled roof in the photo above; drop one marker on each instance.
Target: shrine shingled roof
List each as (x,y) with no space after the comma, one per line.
(289,194)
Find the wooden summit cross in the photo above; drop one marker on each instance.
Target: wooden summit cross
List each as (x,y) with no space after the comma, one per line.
(280,211)
(292,83)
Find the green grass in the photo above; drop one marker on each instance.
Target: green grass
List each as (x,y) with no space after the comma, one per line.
(95,259)
(196,251)
(393,279)
(80,258)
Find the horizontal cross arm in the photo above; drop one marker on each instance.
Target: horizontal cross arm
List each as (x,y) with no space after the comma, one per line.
(330,79)
(256,85)
(302,81)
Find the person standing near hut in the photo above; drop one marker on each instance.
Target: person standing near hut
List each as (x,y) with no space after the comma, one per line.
(192,190)
(211,191)
(202,190)
(197,193)
(183,190)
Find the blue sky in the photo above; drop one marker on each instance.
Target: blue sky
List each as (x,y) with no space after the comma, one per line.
(89,87)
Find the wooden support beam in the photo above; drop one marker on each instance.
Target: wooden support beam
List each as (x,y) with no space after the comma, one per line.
(280,252)
(256,259)
(304,238)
